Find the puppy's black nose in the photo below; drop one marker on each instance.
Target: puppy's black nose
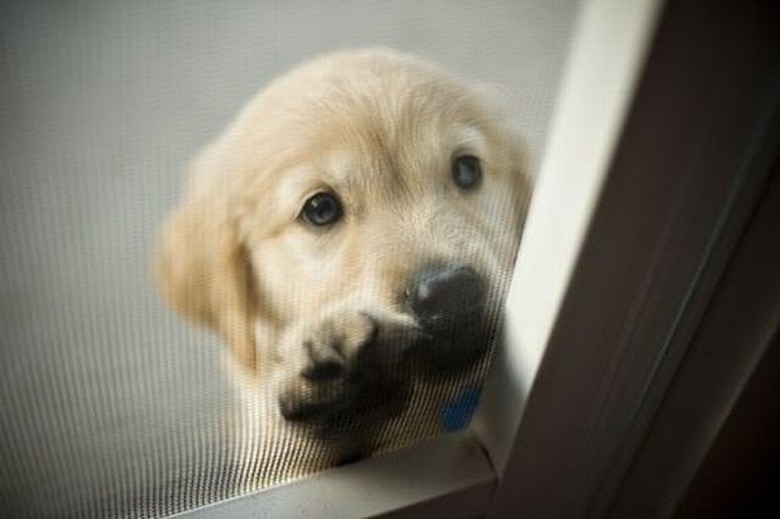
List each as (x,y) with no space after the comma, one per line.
(438,294)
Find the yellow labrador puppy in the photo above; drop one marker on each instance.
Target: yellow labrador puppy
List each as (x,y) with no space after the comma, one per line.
(351,235)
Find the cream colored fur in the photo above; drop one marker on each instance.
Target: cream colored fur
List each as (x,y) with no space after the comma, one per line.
(380,129)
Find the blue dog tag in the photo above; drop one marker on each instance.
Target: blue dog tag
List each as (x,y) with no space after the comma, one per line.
(456,414)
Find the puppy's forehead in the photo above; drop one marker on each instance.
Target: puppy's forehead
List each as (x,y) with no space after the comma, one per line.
(405,151)
(394,164)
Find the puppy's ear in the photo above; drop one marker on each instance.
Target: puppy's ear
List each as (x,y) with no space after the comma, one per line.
(203,271)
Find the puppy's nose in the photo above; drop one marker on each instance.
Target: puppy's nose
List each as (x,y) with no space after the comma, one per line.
(438,294)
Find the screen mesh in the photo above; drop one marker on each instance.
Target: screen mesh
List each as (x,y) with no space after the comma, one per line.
(112,403)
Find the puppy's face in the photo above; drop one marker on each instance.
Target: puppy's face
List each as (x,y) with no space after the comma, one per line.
(356,221)
(365,201)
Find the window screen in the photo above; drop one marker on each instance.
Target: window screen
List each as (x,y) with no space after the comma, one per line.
(205,292)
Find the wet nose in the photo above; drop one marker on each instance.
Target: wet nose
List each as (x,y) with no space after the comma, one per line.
(439,294)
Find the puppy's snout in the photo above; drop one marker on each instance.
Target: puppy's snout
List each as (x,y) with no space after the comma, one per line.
(438,294)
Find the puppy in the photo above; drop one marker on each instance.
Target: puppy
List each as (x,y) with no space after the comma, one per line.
(351,236)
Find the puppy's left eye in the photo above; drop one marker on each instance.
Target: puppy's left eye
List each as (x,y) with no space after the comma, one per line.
(323,208)
(466,172)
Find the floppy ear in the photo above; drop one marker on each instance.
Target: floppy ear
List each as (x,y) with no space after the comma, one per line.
(203,271)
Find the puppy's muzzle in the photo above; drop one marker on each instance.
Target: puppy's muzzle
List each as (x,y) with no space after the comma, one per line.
(365,372)
(449,302)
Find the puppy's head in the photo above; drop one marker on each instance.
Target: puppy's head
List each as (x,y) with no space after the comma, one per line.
(365,180)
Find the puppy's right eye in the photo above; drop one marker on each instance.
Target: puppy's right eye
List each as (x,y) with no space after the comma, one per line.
(467,172)
(323,208)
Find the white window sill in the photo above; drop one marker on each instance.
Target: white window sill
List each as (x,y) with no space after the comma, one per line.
(430,479)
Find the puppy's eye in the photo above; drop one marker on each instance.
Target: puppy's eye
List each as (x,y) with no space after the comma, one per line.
(323,208)
(466,172)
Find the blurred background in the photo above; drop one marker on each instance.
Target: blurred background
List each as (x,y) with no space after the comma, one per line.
(111,404)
